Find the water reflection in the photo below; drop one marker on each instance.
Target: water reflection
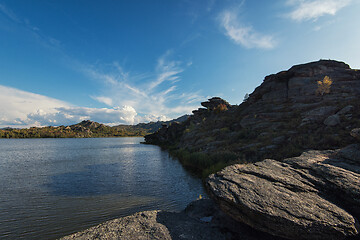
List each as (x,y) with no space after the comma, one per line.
(53,187)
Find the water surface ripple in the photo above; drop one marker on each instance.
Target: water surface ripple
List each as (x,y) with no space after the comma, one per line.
(53,187)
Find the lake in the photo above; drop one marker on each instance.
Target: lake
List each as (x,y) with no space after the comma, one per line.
(50,188)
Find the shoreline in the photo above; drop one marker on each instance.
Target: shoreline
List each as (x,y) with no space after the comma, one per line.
(201,219)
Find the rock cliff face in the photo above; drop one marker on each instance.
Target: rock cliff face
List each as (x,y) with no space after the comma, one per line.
(284,116)
(295,90)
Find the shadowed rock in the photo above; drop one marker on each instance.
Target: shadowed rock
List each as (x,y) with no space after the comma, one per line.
(202,219)
(314,196)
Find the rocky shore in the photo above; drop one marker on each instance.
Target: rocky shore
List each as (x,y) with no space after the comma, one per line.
(313,196)
(277,188)
(202,219)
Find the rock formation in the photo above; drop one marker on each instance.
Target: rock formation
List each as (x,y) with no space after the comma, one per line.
(284,116)
(313,196)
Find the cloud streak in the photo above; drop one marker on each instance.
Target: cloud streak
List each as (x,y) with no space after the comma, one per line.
(305,10)
(244,35)
(45,40)
(166,70)
(9,13)
(155,97)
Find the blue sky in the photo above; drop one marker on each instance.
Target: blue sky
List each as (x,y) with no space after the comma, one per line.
(124,62)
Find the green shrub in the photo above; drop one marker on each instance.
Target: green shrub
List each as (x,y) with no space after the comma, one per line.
(203,164)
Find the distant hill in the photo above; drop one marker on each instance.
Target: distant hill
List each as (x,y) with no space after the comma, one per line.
(87,129)
(151,127)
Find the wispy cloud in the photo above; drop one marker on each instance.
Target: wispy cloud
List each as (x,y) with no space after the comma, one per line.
(210,5)
(167,70)
(24,23)
(106,100)
(244,35)
(9,13)
(304,10)
(156,96)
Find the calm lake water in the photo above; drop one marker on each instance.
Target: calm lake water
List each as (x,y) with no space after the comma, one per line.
(53,187)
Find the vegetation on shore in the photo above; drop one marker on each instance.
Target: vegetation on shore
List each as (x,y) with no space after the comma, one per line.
(74,131)
(203,164)
(87,129)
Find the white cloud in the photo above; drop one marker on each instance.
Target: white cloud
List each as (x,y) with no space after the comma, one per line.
(16,105)
(244,35)
(152,118)
(313,9)
(71,115)
(24,109)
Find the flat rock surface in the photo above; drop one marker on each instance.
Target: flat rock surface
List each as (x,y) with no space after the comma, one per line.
(151,225)
(314,196)
(202,219)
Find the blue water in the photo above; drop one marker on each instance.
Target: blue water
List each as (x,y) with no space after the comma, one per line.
(50,188)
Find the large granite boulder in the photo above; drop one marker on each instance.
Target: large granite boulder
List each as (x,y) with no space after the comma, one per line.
(314,196)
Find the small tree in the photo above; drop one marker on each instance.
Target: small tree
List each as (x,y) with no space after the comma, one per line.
(246,97)
(324,86)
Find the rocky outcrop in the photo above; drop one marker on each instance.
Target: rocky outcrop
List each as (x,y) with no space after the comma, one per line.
(214,103)
(202,219)
(288,105)
(167,134)
(313,196)
(170,133)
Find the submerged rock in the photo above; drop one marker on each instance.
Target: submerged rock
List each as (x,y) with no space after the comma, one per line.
(314,196)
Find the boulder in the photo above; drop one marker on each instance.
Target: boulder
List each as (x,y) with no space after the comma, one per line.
(214,102)
(319,114)
(314,196)
(332,120)
(279,140)
(345,110)
(355,133)
(201,219)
